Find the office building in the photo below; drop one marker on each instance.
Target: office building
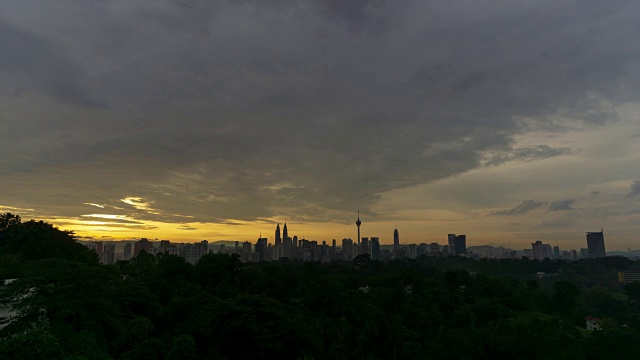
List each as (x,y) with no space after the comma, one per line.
(595,244)
(375,248)
(457,244)
(142,244)
(347,249)
(364,246)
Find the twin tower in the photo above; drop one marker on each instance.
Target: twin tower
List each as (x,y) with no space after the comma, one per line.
(285,234)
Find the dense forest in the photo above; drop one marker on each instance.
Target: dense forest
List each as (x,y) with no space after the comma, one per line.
(161,307)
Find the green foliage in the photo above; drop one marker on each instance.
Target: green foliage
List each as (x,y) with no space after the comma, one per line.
(162,307)
(33,344)
(35,240)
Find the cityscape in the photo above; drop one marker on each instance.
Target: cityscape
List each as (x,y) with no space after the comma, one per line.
(294,248)
(319,179)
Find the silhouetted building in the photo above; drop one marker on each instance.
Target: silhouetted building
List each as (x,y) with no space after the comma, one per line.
(595,244)
(246,251)
(193,252)
(451,241)
(434,250)
(541,251)
(364,246)
(286,248)
(108,254)
(97,247)
(375,248)
(261,248)
(278,240)
(347,249)
(358,223)
(396,243)
(423,249)
(142,244)
(556,252)
(457,244)
(127,250)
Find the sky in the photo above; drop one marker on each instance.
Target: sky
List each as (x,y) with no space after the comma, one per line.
(507,121)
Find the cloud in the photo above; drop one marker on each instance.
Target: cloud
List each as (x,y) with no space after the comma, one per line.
(96,205)
(34,64)
(304,110)
(524,207)
(562,205)
(526,154)
(139,204)
(635,189)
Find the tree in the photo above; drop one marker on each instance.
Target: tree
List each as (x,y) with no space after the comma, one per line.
(564,294)
(182,348)
(33,344)
(9,219)
(632,290)
(34,240)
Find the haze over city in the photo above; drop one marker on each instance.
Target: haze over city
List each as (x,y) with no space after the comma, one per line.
(189,120)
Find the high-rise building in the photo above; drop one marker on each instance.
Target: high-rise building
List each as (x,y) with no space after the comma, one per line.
(536,249)
(451,241)
(142,244)
(127,250)
(396,243)
(287,248)
(193,252)
(285,232)
(108,254)
(461,244)
(358,222)
(457,244)
(246,251)
(278,239)
(261,248)
(423,249)
(595,244)
(375,248)
(364,246)
(556,252)
(347,249)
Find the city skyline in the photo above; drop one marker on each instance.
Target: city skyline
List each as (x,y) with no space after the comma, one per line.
(510,123)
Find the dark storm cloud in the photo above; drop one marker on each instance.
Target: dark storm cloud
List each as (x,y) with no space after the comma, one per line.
(31,63)
(307,109)
(561,205)
(635,189)
(522,208)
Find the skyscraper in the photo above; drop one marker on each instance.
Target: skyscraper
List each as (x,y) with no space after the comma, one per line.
(127,251)
(461,245)
(451,241)
(142,244)
(278,240)
(347,249)
(457,244)
(375,248)
(396,243)
(536,250)
(358,222)
(261,248)
(364,246)
(595,244)
(285,233)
